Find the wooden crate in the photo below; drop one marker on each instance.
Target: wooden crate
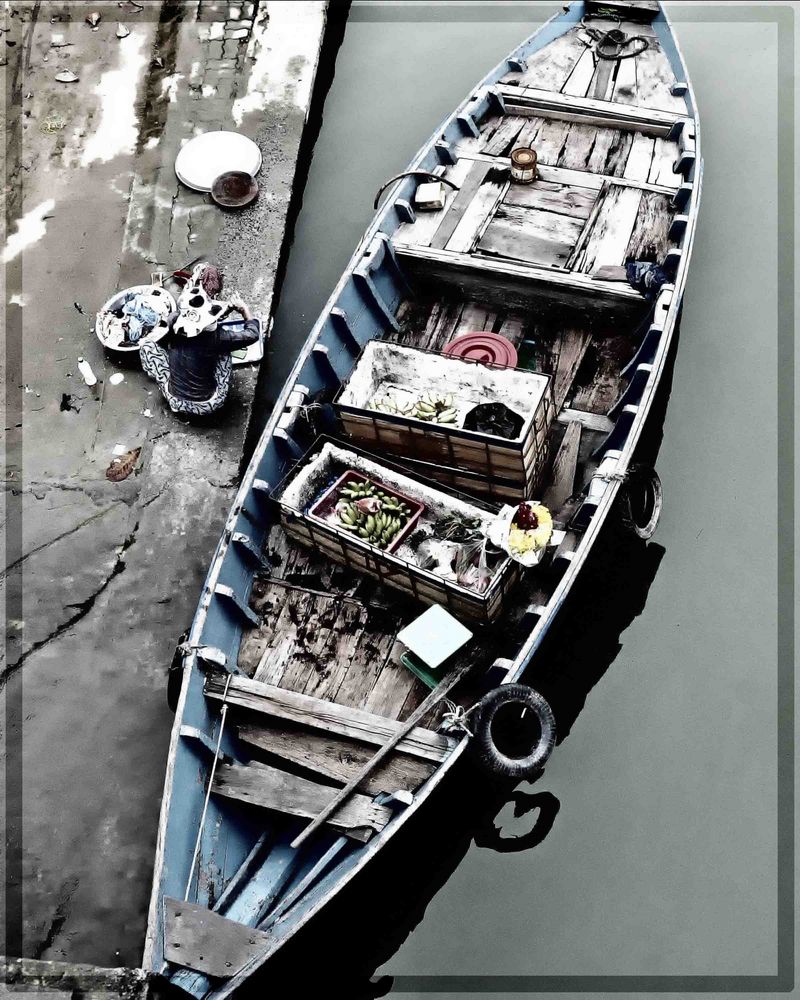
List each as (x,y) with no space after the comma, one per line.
(499,468)
(389,568)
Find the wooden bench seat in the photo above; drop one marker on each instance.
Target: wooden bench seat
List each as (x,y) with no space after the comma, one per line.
(514,283)
(259,785)
(315,713)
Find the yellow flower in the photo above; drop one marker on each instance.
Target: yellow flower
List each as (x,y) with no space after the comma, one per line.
(522,540)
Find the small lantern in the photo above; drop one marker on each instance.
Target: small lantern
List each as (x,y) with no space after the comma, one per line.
(523,165)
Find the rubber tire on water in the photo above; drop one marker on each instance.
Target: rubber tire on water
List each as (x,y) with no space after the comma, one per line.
(647,481)
(489,755)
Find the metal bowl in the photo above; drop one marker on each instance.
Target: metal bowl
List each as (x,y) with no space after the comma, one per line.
(234,189)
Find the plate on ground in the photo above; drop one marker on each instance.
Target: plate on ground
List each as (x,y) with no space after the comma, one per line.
(205,157)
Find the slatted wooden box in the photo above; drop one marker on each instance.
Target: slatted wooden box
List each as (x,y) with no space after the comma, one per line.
(326,461)
(489,466)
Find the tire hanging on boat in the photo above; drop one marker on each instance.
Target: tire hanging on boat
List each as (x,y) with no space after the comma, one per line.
(485,748)
(641,502)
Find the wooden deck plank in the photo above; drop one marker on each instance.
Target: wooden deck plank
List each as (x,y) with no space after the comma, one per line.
(336,758)
(270,788)
(571,349)
(565,199)
(502,140)
(424,227)
(323,715)
(580,79)
(578,147)
(550,141)
(665,153)
(608,240)
(549,68)
(476,215)
(650,237)
(625,91)
(527,234)
(640,158)
(565,464)
(654,78)
(461,202)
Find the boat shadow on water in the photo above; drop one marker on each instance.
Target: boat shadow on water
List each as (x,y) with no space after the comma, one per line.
(355,935)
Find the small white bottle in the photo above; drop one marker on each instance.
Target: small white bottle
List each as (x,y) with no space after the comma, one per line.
(85,369)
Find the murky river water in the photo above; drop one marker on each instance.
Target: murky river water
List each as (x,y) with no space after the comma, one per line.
(661,801)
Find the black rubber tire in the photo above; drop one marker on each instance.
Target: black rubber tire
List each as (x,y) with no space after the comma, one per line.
(646,482)
(489,757)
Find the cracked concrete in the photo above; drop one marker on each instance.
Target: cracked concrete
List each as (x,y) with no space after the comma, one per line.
(111,572)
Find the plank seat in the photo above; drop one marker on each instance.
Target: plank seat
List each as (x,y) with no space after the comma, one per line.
(257,784)
(327,716)
(337,758)
(590,111)
(514,282)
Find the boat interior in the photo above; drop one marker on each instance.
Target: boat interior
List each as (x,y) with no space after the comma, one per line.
(303,648)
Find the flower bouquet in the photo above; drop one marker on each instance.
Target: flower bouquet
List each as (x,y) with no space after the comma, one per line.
(524,532)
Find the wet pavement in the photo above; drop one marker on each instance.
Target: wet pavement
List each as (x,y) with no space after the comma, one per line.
(111,571)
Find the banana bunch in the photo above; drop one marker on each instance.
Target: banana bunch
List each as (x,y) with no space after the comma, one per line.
(378,522)
(389,405)
(359,489)
(437,409)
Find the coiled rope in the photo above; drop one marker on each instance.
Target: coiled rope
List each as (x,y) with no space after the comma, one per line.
(610,44)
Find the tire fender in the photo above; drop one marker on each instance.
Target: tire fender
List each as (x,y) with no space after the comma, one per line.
(488,755)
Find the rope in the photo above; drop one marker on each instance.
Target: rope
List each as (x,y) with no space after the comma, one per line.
(455,718)
(609,44)
(223,713)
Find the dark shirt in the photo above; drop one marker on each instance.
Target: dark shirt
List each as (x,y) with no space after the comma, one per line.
(192,360)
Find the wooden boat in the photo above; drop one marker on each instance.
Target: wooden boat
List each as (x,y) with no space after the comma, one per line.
(290,675)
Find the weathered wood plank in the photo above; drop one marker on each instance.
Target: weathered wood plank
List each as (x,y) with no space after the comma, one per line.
(624,91)
(578,147)
(199,939)
(423,229)
(585,418)
(550,141)
(565,464)
(564,199)
(270,788)
(579,80)
(503,137)
(549,68)
(610,233)
(603,79)
(640,158)
(665,154)
(608,114)
(336,758)
(650,237)
(328,716)
(654,78)
(571,349)
(515,282)
(460,204)
(529,133)
(477,214)
(530,235)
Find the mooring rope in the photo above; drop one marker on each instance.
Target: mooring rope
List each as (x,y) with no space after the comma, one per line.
(615,40)
(223,713)
(455,718)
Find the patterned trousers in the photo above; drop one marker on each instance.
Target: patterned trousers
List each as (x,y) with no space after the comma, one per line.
(155,362)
